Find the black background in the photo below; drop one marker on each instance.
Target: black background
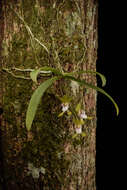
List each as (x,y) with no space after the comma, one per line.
(111,53)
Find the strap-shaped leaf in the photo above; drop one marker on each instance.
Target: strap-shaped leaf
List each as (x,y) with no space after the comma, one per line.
(61,114)
(83,82)
(78,107)
(44,70)
(53,70)
(34,74)
(103,79)
(65,99)
(35,100)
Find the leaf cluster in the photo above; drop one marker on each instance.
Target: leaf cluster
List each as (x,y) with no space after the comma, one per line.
(38,93)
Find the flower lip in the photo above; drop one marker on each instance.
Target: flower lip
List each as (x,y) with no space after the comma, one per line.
(83,115)
(65,107)
(79,129)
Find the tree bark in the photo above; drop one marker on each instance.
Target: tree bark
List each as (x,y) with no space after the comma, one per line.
(68,29)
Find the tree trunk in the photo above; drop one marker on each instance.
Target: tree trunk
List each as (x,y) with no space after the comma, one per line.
(68,29)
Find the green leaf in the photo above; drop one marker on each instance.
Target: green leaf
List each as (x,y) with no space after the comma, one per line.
(69,113)
(83,134)
(84,83)
(53,70)
(78,107)
(89,118)
(74,136)
(35,100)
(78,121)
(34,75)
(103,79)
(61,114)
(65,99)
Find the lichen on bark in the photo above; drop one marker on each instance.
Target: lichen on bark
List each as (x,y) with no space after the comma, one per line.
(68,30)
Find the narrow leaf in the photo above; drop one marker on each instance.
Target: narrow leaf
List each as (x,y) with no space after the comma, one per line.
(65,99)
(53,70)
(74,136)
(83,134)
(103,79)
(61,114)
(69,113)
(78,121)
(34,75)
(78,107)
(89,118)
(35,100)
(83,82)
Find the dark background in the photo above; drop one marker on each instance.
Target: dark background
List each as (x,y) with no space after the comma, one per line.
(111,63)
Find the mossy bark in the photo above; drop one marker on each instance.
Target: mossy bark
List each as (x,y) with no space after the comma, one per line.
(68,29)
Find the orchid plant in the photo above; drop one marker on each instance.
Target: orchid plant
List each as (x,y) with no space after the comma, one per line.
(65,101)
(78,114)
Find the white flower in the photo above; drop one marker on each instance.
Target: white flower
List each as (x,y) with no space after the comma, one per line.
(65,107)
(83,115)
(30,166)
(79,129)
(35,173)
(42,170)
